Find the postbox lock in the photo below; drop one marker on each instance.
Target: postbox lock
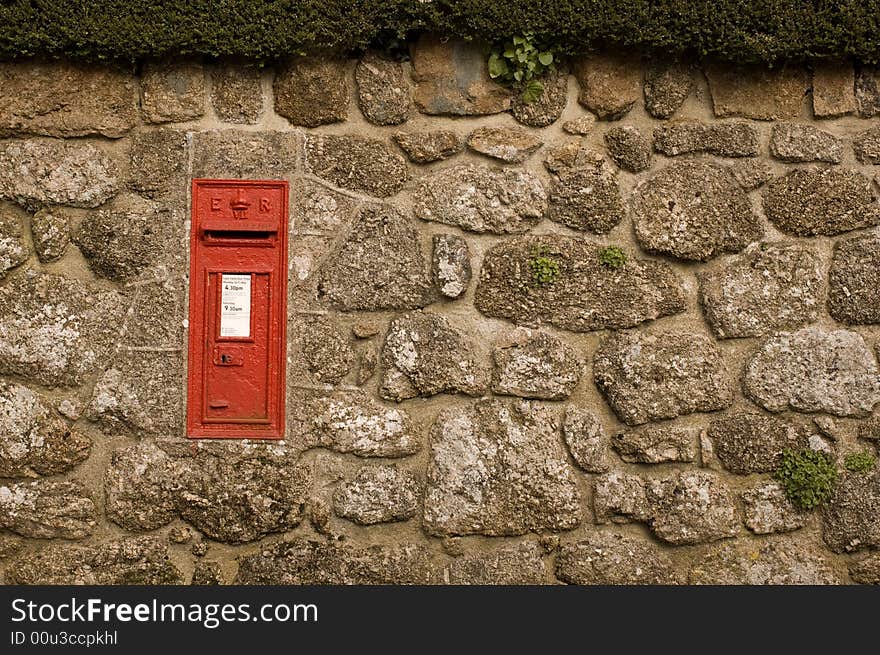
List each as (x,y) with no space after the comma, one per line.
(237,313)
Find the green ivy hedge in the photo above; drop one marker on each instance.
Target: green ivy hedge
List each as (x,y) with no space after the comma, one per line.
(734,30)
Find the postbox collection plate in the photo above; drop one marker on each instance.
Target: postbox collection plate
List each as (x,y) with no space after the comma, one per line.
(237,309)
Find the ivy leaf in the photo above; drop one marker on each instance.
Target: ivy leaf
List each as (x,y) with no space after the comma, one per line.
(497,66)
(517,75)
(546,58)
(532,92)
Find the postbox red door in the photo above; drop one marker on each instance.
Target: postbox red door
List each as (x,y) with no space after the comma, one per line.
(237,309)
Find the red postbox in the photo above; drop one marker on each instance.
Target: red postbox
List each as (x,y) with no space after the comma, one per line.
(237,309)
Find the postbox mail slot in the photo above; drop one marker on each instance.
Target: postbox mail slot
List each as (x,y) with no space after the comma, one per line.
(238,315)
(221,227)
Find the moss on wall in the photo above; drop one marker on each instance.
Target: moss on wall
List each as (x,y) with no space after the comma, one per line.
(759,30)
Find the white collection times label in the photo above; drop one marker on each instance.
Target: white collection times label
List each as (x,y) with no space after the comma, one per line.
(235,305)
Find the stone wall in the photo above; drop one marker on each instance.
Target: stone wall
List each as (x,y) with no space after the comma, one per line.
(565,341)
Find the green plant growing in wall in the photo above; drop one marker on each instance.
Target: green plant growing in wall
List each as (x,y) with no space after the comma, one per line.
(518,63)
(859,462)
(612,257)
(807,476)
(544,268)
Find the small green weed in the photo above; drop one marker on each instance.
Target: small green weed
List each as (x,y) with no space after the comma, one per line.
(612,257)
(544,268)
(518,63)
(807,476)
(859,462)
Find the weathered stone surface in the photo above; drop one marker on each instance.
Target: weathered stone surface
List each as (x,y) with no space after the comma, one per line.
(854,281)
(736,139)
(380,265)
(751,173)
(140,487)
(655,444)
(64,99)
(451,265)
(326,351)
(426,147)
(833,90)
(867,570)
(50,230)
(173,92)
(628,148)
(157,315)
(451,78)
(851,518)
(548,106)
(464,496)
(667,86)
(614,559)
(241,501)
(618,497)
(368,362)
(55,330)
(378,494)
(821,201)
(120,245)
(610,84)
(800,142)
(481,199)
(235,497)
(647,377)
(133,561)
(693,210)
(814,370)
(32,439)
(535,366)
(585,439)
(246,155)
(300,562)
(867,92)
(866,146)
(756,92)
(769,287)
(10,544)
(584,194)
(424,355)
(357,163)
(352,423)
(580,126)
(157,165)
(14,250)
(585,295)
(312,91)
(689,507)
(519,564)
(130,397)
(767,509)
(47,510)
(509,144)
(237,93)
(320,209)
(752,443)
(43,171)
(207,573)
(383,92)
(870,429)
(778,562)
